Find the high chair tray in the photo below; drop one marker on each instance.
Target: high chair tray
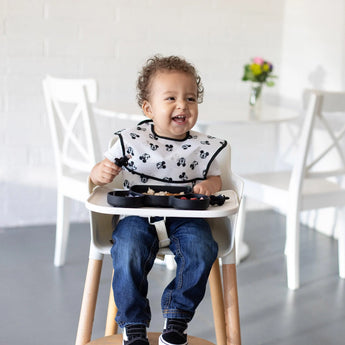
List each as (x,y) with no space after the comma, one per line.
(97,202)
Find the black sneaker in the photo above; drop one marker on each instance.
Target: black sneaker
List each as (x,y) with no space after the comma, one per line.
(135,335)
(174,332)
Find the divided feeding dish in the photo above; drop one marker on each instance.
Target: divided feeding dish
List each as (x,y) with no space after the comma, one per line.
(159,196)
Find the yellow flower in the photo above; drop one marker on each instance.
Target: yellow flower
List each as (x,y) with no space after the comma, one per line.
(266,67)
(256,69)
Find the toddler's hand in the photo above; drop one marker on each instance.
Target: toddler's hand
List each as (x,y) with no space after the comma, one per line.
(212,185)
(104,172)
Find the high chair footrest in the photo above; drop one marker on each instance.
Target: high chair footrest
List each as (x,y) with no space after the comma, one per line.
(153,339)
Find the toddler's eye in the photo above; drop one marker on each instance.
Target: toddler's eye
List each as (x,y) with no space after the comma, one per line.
(191,99)
(171,98)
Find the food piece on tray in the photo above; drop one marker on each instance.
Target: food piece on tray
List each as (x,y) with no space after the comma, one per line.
(150,191)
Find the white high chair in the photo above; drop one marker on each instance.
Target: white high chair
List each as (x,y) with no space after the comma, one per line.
(76,146)
(308,186)
(225,304)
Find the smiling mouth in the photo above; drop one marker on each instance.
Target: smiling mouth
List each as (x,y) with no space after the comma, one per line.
(179,118)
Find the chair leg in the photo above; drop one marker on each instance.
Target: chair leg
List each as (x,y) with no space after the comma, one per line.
(232,314)
(111,326)
(217,303)
(88,305)
(292,254)
(62,229)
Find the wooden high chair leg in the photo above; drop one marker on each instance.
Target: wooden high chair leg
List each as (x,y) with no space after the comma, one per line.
(111,325)
(88,305)
(232,315)
(217,303)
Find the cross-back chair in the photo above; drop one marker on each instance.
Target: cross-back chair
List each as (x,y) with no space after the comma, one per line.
(225,303)
(316,180)
(75,143)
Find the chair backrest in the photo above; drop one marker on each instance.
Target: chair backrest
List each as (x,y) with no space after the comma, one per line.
(71,122)
(321,158)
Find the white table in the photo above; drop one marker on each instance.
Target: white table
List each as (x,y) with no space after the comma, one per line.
(243,114)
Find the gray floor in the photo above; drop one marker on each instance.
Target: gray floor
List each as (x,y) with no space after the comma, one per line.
(40,304)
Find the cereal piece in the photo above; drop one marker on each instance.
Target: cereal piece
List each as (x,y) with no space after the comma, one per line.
(150,191)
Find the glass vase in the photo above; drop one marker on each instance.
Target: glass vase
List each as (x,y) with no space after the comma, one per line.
(255,94)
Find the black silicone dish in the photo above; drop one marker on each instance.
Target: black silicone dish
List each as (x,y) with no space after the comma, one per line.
(179,198)
(191,202)
(160,200)
(125,198)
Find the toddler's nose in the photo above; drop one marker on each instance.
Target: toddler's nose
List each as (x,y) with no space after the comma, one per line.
(182,104)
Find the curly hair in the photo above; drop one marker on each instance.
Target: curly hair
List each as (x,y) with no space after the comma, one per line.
(171,63)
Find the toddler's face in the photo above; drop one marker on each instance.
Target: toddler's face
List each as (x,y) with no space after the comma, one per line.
(172,104)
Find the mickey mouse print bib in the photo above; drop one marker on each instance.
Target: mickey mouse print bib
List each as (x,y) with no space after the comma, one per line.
(167,160)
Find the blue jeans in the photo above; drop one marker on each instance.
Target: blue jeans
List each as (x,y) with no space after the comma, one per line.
(135,245)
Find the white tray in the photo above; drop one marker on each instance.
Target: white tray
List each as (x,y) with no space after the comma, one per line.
(97,202)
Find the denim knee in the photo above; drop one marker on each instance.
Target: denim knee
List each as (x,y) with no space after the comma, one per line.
(194,238)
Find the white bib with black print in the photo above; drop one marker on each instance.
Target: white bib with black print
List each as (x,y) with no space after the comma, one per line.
(155,159)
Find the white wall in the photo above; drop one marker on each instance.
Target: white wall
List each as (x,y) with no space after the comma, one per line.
(109,40)
(313,50)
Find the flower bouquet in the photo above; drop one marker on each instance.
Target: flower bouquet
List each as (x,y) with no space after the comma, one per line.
(259,72)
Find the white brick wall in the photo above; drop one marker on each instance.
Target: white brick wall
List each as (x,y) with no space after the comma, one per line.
(109,40)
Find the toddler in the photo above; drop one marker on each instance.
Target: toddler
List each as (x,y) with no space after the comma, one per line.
(163,150)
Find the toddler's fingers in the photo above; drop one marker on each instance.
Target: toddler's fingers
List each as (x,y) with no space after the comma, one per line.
(107,178)
(111,168)
(199,189)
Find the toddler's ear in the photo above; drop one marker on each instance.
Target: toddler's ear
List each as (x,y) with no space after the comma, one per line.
(147,109)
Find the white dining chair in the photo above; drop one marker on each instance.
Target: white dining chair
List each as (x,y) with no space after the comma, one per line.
(312,183)
(224,303)
(76,146)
